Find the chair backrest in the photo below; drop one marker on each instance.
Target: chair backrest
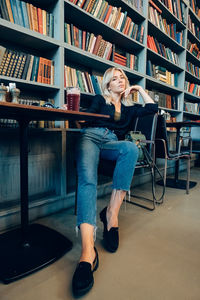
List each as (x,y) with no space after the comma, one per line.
(161,133)
(147,125)
(195,135)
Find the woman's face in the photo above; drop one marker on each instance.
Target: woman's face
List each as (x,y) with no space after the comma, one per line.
(117,84)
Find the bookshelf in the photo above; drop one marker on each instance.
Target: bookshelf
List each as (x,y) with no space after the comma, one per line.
(182,32)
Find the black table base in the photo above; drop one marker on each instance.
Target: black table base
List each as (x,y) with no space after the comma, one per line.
(19,257)
(177,184)
(31,247)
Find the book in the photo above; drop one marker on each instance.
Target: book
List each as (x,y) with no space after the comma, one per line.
(25,14)
(47,23)
(2,52)
(51,28)
(4,10)
(35,69)
(40,75)
(34,17)
(14,11)
(26,66)
(6,62)
(29,71)
(10,14)
(97,44)
(40,20)
(29,15)
(19,12)
(95,83)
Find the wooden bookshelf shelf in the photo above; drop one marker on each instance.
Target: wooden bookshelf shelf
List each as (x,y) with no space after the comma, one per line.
(55,48)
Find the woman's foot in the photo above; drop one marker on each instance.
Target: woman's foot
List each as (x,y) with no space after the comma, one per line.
(83,279)
(111,236)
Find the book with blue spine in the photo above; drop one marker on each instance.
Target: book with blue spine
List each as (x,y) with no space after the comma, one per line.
(19,12)
(95,84)
(35,68)
(14,11)
(25,14)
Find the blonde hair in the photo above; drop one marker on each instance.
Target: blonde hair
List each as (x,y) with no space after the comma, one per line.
(107,77)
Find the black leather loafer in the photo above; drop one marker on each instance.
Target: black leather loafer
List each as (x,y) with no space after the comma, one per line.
(83,279)
(111,237)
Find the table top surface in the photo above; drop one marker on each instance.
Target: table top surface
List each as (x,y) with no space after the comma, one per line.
(33,113)
(183,124)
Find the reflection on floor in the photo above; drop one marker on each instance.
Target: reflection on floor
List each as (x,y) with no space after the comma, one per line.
(158,257)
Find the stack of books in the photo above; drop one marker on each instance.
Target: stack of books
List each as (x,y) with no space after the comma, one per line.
(162,74)
(119,59)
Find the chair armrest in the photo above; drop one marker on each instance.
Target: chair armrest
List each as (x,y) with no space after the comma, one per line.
(164,144)
(147,141)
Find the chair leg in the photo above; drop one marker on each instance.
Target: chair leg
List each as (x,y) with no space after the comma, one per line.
(165,172)
(153,202)
(188,176)
(76,192)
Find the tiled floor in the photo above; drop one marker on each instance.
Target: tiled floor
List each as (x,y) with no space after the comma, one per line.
(158,257)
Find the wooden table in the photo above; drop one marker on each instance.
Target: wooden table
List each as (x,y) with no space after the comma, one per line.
(176,182)
(29,248)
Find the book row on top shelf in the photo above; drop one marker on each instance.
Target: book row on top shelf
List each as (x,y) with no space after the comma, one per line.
(194,26)
(29,58)
(98,7)
(194,4)
(174,10)
(174,29)
(85,21)
(28,15)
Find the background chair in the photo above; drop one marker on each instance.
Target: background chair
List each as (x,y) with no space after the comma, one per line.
(162,151)
(195,136)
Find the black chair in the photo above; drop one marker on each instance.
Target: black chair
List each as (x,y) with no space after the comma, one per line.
(163,151)
(195,136)
(147,126)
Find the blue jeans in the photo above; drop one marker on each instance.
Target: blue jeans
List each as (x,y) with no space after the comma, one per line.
(93,143)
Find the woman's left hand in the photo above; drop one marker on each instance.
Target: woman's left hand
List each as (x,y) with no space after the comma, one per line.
(130,90)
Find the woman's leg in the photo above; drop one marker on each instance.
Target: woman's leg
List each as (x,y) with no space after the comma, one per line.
(125,153)
(87,163)
(87,158)
(113,208)
(87,238)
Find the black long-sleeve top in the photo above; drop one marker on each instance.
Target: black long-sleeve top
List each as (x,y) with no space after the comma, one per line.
(128,115)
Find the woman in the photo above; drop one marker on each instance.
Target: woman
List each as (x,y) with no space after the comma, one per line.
(104,137)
